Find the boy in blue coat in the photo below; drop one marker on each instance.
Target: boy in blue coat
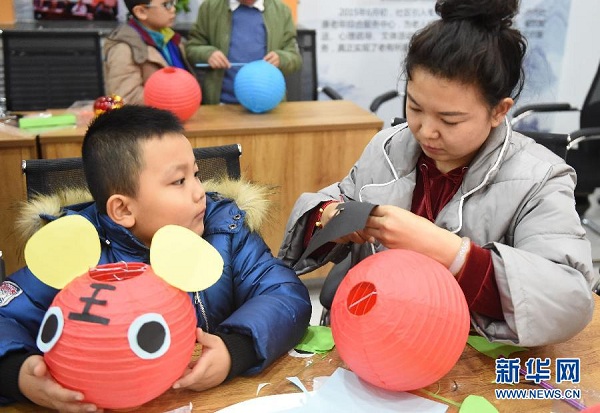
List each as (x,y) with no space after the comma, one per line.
(142,174)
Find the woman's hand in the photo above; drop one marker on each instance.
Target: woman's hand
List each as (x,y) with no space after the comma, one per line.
(395,227)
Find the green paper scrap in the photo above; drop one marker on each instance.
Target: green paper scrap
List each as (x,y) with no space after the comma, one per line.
(493,350)
(477,404)
(317,339)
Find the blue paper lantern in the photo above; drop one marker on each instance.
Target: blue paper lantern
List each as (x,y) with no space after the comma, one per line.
(259,86)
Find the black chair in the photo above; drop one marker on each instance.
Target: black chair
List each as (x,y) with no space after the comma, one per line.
(304,84)
(51,69)
(589,114)
(582,152)
(581,146)
(330,286)
(46,176)
(391,95)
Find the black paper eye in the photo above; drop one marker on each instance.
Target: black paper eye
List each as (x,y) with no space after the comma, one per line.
(51,329)
(149,336)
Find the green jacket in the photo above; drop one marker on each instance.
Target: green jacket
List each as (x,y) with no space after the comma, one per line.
(212,31)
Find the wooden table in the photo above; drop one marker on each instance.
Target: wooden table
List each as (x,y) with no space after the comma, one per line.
(473,374)
(15,146)
(298,147)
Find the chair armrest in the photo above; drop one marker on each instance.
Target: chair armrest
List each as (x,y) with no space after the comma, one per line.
(584,133)
(381,99)
(397,121)
(331,93)
(527,110)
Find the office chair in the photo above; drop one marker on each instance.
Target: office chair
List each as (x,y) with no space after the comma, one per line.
(330,286)
(304,84)
(386,97)
(589,114)
(46,176)
(582,152)
(51,69)
(588,175)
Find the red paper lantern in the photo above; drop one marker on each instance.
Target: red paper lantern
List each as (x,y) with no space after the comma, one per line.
(173,89)
(399,320)
(119,334)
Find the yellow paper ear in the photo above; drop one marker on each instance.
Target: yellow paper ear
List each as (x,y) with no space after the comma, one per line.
(63,250)
(184,259)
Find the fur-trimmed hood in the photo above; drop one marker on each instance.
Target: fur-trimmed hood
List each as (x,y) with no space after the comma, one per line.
(33,214)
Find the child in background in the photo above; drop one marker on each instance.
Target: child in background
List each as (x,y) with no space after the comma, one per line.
(258,309)
(137,49)
(240,32)
(458,185)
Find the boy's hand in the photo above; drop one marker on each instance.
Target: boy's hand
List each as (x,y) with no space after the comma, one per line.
(211,369)
(39,387)
(218,60)
(272,58)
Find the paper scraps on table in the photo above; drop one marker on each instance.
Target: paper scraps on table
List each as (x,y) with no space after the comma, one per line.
(352,216)
(345,392)
(267,404)
(298,383)
(294,353)
(493,350)
(260,387)
(183,409)
(317,339)
(342,392)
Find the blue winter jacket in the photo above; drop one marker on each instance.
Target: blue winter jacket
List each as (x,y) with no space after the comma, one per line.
(257,295)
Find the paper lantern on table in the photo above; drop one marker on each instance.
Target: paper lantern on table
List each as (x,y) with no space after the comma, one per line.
(400,320)
(121,337)
(174,89)
(259,86)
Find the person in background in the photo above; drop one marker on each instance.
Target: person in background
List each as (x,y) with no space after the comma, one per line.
(79,9)
(140,47)
(456,184)
(257,310)
(232,31)
(104,12)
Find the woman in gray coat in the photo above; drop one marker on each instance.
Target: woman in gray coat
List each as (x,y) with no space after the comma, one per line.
(458,185)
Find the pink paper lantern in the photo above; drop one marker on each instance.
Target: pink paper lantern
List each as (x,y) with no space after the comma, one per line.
(400,320)
(173,89)
(119,334)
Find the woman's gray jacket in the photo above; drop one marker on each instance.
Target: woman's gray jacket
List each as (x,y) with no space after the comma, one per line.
(516,199)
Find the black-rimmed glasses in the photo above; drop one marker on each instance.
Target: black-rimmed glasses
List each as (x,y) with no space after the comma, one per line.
(168,5)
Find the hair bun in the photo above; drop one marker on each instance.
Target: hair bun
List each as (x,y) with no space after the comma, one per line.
(491,14)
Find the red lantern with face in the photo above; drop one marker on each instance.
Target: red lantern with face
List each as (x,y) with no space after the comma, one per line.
(119,334)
